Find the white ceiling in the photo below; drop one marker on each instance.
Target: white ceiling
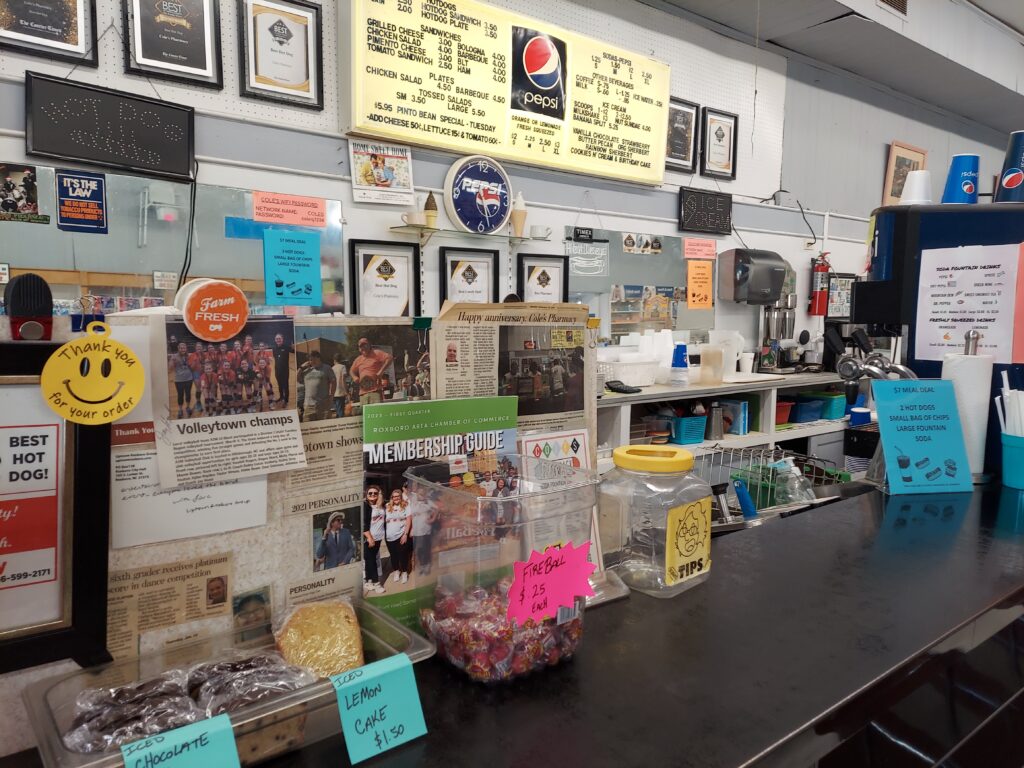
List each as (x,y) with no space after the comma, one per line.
(1010,12)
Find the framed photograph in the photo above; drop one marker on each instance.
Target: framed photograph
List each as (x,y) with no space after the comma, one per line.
(718,144)
(683,130)
(385,278)
(903,159)
(69,32)
(53,586)
(469,275)
(543,278)
(282,51)
(177,41)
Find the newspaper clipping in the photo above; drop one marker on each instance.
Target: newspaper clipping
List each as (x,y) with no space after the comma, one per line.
(537,353)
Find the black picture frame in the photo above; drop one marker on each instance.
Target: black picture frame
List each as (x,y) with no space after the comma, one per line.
(107,98)
(849,278)
(84,641)
(41,50)
(244,42)
(706,115)
(525,260)
(475,253)
(133,67)
(671,162)
(354,253)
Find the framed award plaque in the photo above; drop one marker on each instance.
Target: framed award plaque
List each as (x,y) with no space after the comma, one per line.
(53,528)
(469,275)
(718,144)
(683,130)
(282,51)
(177,40)
(543,278)
(53,29)
(385,278)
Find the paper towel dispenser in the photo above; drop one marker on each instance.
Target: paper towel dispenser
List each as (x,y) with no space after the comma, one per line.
(750,276)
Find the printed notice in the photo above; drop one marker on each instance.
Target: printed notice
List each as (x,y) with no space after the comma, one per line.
(699,248)
(963,289)
(157,596)
(143,513)
(291,268)
(30,492)
(197,745)
(473,78)
(922,437)
(289,209)
(81,201)
(210,450)
(379,706)
(700,284)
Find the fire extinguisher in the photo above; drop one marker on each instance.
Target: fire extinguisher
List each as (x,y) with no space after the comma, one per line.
(820,269)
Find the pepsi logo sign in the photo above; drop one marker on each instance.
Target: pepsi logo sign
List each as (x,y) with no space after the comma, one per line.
(968,187)
(1012,178)
(478,195)
(542,63)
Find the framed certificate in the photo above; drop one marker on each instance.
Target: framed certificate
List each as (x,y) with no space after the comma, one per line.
(718,144)
(386,278)
(53,29)
(53,580)
(469,275)
(543,278)
(177,40)
(683,129)
(282,51)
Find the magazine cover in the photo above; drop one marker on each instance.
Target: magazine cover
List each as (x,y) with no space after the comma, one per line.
(407,543)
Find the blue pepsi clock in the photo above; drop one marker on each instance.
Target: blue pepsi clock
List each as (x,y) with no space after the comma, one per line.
(477,195)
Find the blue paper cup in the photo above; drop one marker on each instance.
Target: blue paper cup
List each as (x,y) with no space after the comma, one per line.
(1013,461)
(679,356)
(1010,188)
(859,416)
(962,180)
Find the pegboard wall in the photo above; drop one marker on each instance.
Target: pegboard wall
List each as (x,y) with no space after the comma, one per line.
(228,102)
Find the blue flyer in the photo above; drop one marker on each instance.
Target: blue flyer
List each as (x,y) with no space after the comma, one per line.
(921,436)
(81,201)
(291,268)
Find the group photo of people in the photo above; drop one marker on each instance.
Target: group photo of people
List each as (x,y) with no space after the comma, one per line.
(19,191)
(342,368)
(251,373)
(545,380)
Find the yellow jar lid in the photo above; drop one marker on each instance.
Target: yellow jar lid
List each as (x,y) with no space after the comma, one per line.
(653,458)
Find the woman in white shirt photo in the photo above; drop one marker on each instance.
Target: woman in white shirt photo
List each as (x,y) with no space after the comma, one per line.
(373,534)
(423,517)
(398,523)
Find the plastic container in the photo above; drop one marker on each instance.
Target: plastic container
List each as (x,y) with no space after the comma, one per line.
(782,411)
(262,731)
(630,374)
(833,403)
(476,544)
(806,410)
(656,520)
(688,430)
(1013,461)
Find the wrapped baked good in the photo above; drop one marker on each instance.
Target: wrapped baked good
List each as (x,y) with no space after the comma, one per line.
(323,636)
(235,690)
(222,668)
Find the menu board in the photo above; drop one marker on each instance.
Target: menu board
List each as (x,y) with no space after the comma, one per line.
(479,80)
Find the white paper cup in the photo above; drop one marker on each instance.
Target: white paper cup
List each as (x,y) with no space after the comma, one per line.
(918,189)
(746,362)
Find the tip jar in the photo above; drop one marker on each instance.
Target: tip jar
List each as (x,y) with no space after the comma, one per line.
(657,515)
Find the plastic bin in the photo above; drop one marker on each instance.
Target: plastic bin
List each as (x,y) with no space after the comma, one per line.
(1013,461)
(630,374)
(806,410)
(834,403)
(688,430)
(262,731)
(782,411)
(476,543)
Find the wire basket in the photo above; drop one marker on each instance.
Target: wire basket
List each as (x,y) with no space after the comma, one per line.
(756,467)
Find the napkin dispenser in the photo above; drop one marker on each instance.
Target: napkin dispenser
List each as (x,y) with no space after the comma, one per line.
(750,276)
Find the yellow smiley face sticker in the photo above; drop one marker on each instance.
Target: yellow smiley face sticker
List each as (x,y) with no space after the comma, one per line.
(93,380)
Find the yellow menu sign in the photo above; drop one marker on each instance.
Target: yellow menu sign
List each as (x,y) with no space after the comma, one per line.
(479,80)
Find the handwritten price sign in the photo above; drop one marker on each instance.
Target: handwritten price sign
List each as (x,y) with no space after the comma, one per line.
(202,744)
(379,706)
(549,581)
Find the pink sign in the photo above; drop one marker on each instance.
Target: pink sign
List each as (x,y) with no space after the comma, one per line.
(549,581)
(698,248)
(289,209)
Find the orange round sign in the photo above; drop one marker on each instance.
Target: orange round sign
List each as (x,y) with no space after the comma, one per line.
(216,311)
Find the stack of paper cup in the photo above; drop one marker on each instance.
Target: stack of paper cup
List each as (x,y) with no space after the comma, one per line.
(1010,188)
(962,180)
(971,375)
(918,189)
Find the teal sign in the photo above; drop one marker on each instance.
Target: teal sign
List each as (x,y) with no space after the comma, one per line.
(379,706)
(921,436)
(199,745)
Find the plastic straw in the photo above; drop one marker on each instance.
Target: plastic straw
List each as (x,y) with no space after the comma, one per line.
(999,412)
